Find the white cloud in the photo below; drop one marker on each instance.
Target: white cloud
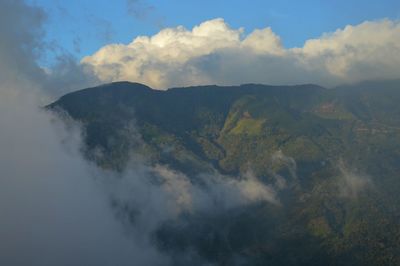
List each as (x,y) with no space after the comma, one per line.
(213,52)
(217,191)
(150,59)
(368,50)
(351,184)
(263,41)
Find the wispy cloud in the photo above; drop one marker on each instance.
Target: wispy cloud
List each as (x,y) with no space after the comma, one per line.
(352,184)
(139,9)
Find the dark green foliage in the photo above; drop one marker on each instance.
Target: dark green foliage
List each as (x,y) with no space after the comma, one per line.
(339,139)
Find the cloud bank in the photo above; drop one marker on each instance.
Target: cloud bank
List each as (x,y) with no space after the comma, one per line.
(215,53)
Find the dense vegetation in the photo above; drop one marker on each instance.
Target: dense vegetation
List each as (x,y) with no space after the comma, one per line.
(335,151)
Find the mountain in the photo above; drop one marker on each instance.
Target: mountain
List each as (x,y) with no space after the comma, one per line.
(333,153)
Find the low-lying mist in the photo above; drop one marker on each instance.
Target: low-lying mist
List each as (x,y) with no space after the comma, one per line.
(53,212)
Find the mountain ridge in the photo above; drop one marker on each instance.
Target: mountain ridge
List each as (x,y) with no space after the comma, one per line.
(335,153)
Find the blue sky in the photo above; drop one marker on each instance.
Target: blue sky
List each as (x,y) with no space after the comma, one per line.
(82,27)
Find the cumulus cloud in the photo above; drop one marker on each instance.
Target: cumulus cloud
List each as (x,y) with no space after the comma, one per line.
(364,51)
(213,52)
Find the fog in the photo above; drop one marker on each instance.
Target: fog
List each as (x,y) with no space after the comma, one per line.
(53,212)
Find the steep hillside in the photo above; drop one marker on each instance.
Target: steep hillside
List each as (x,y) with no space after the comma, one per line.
(333,156)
